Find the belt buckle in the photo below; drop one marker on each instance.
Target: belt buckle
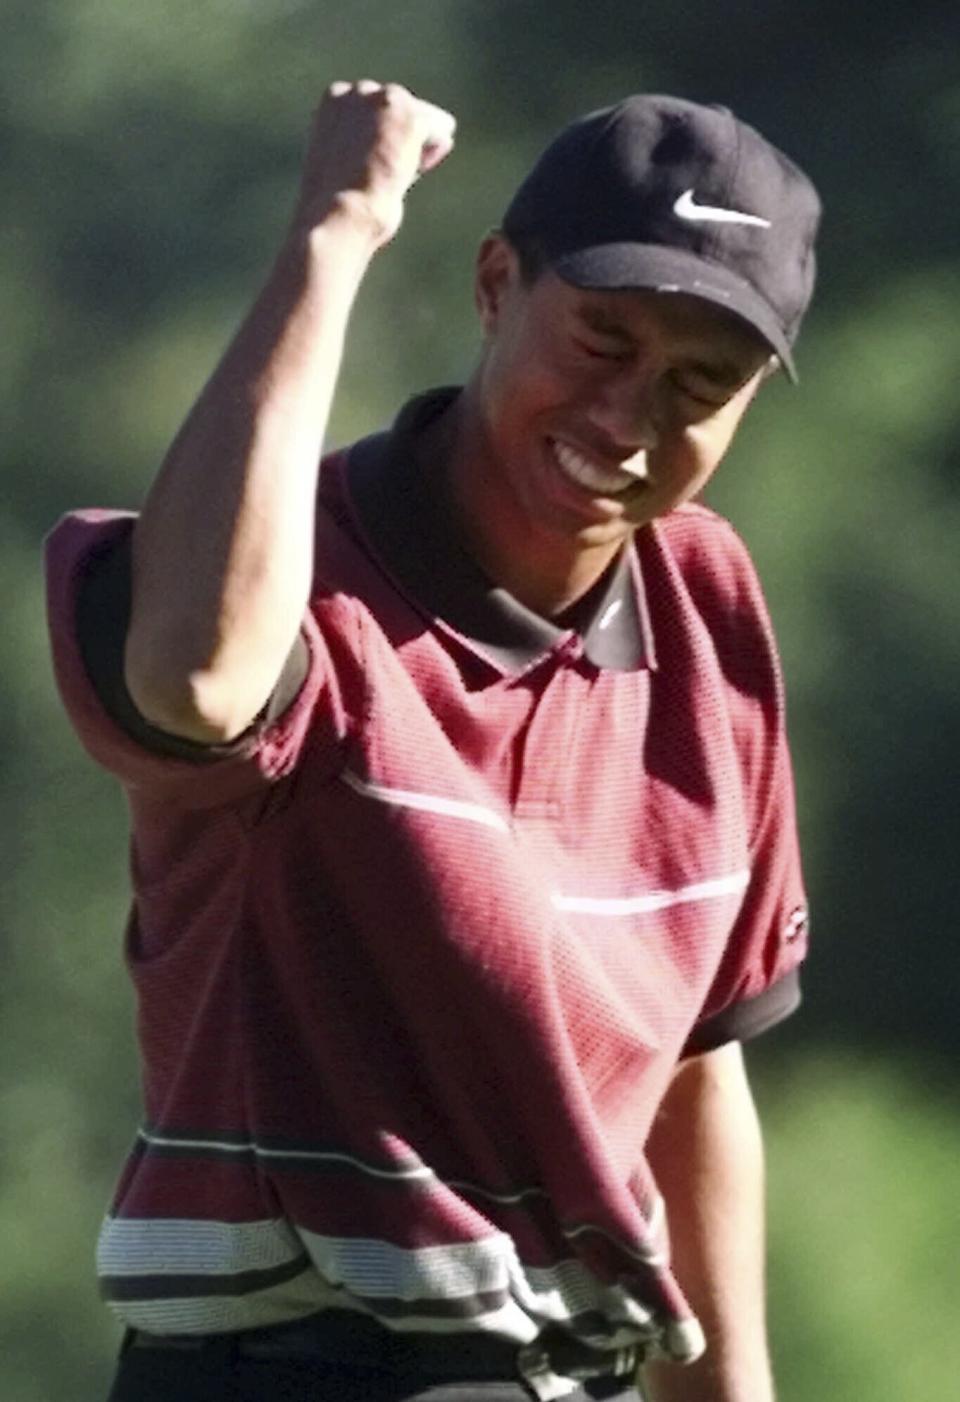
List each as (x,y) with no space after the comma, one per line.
(533,1365)
(548,1376)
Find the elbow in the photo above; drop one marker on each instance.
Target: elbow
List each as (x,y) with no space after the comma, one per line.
(191,703)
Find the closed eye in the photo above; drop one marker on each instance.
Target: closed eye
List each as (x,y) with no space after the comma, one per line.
(597,352)
(695,391)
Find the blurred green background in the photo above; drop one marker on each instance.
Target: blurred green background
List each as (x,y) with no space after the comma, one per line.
(150,157)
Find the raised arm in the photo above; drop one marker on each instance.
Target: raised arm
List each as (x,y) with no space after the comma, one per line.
(223,550)
(707,1154)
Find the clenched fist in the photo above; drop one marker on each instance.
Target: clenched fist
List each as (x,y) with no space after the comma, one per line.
(368,143)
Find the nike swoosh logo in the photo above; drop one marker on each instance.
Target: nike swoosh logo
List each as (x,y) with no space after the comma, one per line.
(687,208)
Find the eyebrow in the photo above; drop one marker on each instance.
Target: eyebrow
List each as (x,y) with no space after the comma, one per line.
(603,324)
(724,374)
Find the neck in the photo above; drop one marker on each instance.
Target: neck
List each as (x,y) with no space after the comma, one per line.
(547,574)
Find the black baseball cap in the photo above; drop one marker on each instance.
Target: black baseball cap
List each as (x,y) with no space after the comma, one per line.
(666,194)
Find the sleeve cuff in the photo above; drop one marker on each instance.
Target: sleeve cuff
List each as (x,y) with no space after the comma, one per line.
(748,1018)
(102,617)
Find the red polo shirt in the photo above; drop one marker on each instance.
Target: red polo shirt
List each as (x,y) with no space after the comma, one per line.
(416,958)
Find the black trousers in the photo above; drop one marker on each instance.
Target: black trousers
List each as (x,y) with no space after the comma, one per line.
(217,1375)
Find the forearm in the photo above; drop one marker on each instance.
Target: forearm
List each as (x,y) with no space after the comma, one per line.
(224,546)
(707,1154)
(223,551)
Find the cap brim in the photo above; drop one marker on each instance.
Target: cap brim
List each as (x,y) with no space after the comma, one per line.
(616,267)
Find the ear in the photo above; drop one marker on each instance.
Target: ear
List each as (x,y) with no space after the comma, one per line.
(497,272)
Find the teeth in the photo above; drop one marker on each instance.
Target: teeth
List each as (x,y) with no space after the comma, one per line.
(599,479)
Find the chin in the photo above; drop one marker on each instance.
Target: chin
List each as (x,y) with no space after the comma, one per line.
(606,533)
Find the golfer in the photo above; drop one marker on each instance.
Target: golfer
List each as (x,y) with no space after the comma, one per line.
(463,843)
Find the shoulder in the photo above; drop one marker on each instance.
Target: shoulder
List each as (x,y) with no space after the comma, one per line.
(80,547)
(707,550)
(79,539)
(711,565)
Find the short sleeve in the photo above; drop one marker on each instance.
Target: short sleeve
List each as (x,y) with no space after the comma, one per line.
(86,542)
(757,981)
(757,984)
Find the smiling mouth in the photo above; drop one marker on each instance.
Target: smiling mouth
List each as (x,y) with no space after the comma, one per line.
(591,477)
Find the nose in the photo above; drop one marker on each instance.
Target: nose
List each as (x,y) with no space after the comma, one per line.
(624,411)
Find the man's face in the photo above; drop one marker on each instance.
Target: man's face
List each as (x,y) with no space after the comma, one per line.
(603,410)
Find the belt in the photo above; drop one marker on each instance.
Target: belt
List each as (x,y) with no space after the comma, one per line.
(345,1336)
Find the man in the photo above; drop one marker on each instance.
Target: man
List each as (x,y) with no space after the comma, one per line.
(463,839)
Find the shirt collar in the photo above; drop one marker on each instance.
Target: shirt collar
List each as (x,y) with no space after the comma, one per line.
(404,520)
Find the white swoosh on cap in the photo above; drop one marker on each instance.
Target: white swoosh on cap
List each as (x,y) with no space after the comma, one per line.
(686,207)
